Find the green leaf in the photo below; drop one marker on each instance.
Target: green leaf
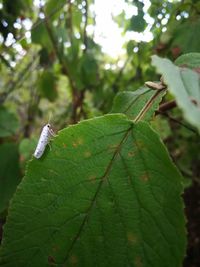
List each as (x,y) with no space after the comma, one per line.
(190,60)
(47,85)
(9,173)
(88,69)
(26,149)
(137,23)
(186,36)
(54,7)
(9,124)
(134,103)
(107,194)
(184,85)
(39,35)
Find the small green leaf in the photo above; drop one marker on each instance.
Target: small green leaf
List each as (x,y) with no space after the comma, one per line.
(88,70)
(9,173)
(133,103)
(183,83)
(186,36)
(53,7)
(106,194)
(190,60)
(137,23)
(47,85)
(39,35)
(9,124)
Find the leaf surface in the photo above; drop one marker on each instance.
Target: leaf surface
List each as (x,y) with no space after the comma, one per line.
(107,194)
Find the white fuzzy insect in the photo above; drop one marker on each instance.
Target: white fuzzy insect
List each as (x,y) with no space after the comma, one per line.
(45,136)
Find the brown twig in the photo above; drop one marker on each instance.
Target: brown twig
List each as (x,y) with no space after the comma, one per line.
(65,71)
(166,106)
(147,105)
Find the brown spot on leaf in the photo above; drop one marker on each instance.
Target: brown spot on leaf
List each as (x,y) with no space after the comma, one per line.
(138,262)
(55,248)
(51,260)
(139,144)
(74,144)
(112,148)
(78,142)
(92,178)
(73,260)
(145,177)
(131,238)
(64,145)
(131,154)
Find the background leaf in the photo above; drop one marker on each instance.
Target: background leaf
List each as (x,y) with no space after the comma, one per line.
(47,85)
(132,103)
(8,123)
(184,85)
(190,60)
(9,173)
(107,194)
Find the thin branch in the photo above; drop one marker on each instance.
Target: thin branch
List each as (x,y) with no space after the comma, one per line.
(6,62)
(166,106)
(65,71)
(31,111)
(178,122)
(57,52)
(11,85)
(116,81)
(38,23)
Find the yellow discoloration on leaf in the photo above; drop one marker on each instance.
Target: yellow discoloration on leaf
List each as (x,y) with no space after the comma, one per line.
(138,262)
(55,248)
(131,238)
(92,178)
(74,144)
(145,177)
(139,144)
(131,154)
(113,147)
(64,145)
(78,142)
(73,260)
(87,154)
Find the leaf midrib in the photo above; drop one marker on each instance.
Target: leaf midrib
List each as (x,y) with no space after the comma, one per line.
(89,209)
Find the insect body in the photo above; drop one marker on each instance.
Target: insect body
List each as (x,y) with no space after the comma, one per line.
(46,133)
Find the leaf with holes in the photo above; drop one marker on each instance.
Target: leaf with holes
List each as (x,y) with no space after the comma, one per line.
(106,194)
(140,103)
(183,83)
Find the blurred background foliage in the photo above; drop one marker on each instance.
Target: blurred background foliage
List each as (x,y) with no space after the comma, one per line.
(53,63)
